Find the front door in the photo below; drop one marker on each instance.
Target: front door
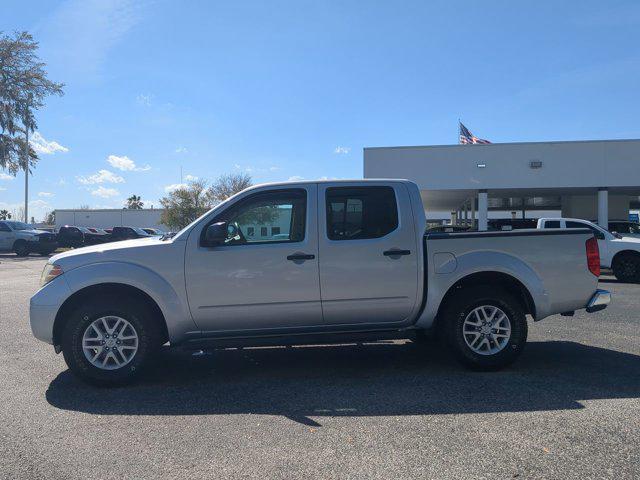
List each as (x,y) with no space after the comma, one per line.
(265,275)
(368,254)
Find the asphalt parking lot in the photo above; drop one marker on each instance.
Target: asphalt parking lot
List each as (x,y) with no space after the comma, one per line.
(569,408)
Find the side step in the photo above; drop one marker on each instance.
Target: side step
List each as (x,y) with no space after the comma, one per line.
(297,339)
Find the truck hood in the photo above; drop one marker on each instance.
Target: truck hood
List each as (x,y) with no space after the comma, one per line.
(635,242)
(31,232)
(119,251)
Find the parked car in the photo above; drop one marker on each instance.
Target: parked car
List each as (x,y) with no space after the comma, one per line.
(71,236)
(353,266)
(23,239)
(448,228)
(154,231)
(98,230)
(128,233)
(511,223)
(621,254)
(625,228)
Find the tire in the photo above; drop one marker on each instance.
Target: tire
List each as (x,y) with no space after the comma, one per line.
(492,350)
(138,317)
(626,268)
(21,248)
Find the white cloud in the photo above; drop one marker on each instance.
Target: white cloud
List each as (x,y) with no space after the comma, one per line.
(174,186)
(181,150)
(125,164)
(46,194)
(2,189)
(105,192)
(38,204)
(274,168)
(296,178)
(62,182)
(45,147)
(4,176)
(190,178)
(144,100)
(103,176)
(341,150)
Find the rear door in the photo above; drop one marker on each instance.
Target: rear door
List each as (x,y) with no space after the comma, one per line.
(367,246)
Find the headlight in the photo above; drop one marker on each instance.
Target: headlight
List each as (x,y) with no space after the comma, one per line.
(50,272)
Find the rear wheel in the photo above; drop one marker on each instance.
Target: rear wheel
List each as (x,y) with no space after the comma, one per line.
(21,248)
(485,327)
(110,341)
(626,268)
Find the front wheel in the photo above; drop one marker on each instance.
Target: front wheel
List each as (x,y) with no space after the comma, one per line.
(21,248)
(485,327)
(110,341)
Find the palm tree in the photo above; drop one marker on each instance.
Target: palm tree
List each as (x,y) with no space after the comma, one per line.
(5,215)
(134,203)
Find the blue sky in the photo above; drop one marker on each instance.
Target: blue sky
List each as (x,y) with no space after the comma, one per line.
(284,89)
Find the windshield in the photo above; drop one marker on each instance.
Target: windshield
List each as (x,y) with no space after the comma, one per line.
(139,231)
(84,230)
(20,226)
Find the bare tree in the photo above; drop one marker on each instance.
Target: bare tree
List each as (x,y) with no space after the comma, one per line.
(228,185)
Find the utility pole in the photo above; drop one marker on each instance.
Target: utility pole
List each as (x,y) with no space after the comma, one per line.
(26,177)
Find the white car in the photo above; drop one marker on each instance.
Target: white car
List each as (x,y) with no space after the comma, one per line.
(621,254)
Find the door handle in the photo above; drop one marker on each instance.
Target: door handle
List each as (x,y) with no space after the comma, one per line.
(393,253)
(301,256)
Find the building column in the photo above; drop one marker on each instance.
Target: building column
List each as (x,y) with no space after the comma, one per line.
(453,218)
(603,208)
(473,213)
(483,210)
(466,214)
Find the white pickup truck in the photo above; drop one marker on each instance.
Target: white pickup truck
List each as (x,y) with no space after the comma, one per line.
(619,253)
(310,262)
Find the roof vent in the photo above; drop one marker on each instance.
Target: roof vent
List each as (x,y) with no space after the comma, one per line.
(535,164)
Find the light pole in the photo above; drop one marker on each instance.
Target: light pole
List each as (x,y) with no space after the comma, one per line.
(26,176)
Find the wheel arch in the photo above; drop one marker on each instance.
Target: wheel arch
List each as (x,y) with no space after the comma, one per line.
(490,278)
(101,289)
(619,254)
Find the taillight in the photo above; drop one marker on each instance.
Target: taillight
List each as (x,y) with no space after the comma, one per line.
(593,256)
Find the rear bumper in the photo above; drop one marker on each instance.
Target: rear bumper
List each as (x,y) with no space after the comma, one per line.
(599,301)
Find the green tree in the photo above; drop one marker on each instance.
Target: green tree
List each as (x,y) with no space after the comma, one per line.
(23,87)
(134,202)
(5,215)
(186,203)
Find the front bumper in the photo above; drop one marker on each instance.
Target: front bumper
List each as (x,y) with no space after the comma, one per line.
(599,301)
(44,306)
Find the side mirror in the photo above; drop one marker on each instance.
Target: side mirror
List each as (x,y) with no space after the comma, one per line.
(216,234)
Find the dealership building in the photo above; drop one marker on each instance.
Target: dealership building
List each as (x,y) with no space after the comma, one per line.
(594,180)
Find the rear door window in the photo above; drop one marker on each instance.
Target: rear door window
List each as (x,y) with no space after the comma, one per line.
(355,213)
(552,224)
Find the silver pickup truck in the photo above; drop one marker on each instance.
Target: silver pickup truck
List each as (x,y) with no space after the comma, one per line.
(310,262)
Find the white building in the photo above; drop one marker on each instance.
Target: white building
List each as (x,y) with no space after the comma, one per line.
(584,179)
(107,218)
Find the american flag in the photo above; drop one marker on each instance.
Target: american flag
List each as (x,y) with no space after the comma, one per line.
(468,138)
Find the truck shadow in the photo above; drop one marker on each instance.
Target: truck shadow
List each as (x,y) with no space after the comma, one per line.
(307,383)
